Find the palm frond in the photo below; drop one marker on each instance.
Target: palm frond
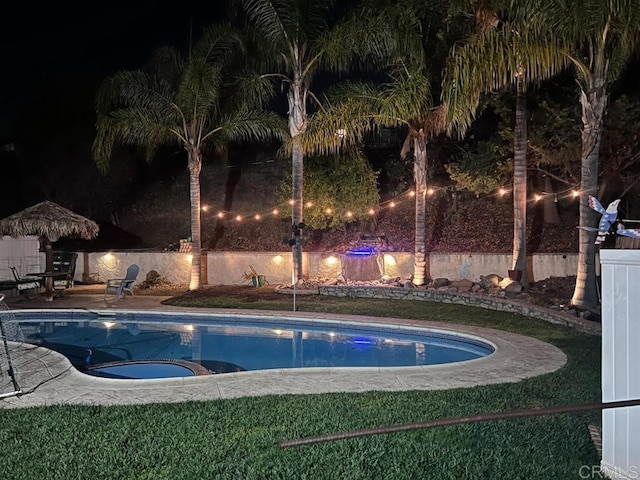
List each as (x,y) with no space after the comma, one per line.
(372,35)
(241,126)
(275,19)
(127,127)
(251,90)
(217,43)
(494,60)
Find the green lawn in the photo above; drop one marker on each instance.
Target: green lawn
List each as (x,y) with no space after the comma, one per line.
(239,438)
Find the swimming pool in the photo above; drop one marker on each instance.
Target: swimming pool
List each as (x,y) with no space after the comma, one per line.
(234,343)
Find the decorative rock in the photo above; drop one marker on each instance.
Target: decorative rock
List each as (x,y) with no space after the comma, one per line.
(491,280)
(340,278)
(152,276)
(510,286)
(463,285)
(475,288)
(440,282)
(409,284)
(386,279)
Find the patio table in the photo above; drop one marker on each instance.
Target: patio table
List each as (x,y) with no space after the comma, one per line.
(48,278)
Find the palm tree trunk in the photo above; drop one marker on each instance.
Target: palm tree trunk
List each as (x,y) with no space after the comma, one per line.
(296,209)
(520,184)
(195,165)
(420,178)
(593,109)
(297,125)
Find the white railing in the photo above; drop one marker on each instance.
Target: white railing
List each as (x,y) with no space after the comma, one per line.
(620,361)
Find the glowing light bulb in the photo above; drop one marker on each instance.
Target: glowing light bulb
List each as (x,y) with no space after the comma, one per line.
(430,191)
(291,202)
(392,204)
(309,204)
(328,211)
(502,191)
(349,214)
(205,208)
(275,211)
(238,218)
(220,214)
(412,193)
(372,211)
(575,193)
(537,197)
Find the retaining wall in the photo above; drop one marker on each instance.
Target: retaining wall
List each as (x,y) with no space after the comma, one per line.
(469,299)
(226,268)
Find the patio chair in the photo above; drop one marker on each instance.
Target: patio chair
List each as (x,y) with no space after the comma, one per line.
(64,262)
(23,285)
(121,285)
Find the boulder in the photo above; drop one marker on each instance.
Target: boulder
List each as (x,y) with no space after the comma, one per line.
(463,285)
(491,280)
(152,276)
(440,282)
(510,286)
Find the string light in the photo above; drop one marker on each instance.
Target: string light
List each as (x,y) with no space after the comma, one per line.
(501,191)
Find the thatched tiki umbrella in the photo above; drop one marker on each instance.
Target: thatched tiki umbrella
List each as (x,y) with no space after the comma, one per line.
(49,221)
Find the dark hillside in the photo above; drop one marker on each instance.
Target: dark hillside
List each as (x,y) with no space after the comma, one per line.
(245,184)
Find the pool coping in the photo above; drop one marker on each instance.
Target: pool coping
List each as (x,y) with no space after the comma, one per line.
(48,378)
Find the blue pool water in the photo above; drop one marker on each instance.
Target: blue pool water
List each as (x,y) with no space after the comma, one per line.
(237,343)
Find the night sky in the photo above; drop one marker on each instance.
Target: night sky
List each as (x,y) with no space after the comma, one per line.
(41,41)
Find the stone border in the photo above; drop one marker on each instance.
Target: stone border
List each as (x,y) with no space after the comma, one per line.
(468,299)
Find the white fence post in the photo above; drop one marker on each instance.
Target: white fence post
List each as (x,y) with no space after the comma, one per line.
(620,362)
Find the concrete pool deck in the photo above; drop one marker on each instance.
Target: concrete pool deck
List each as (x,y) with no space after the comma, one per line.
(47,378)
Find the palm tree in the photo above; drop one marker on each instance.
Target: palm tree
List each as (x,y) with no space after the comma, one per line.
(181,100)
(299,40)
(404,101)
(502,54)
(604,36)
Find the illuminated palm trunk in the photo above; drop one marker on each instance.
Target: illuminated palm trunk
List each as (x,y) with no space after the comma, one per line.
(520,184)
(420,178)
(297,125)
(593,108)
(296,208)
(195,165)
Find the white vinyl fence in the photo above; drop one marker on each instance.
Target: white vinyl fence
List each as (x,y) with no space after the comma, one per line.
(620,362)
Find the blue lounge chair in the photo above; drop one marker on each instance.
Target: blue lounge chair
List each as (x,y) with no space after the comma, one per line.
(121,285)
